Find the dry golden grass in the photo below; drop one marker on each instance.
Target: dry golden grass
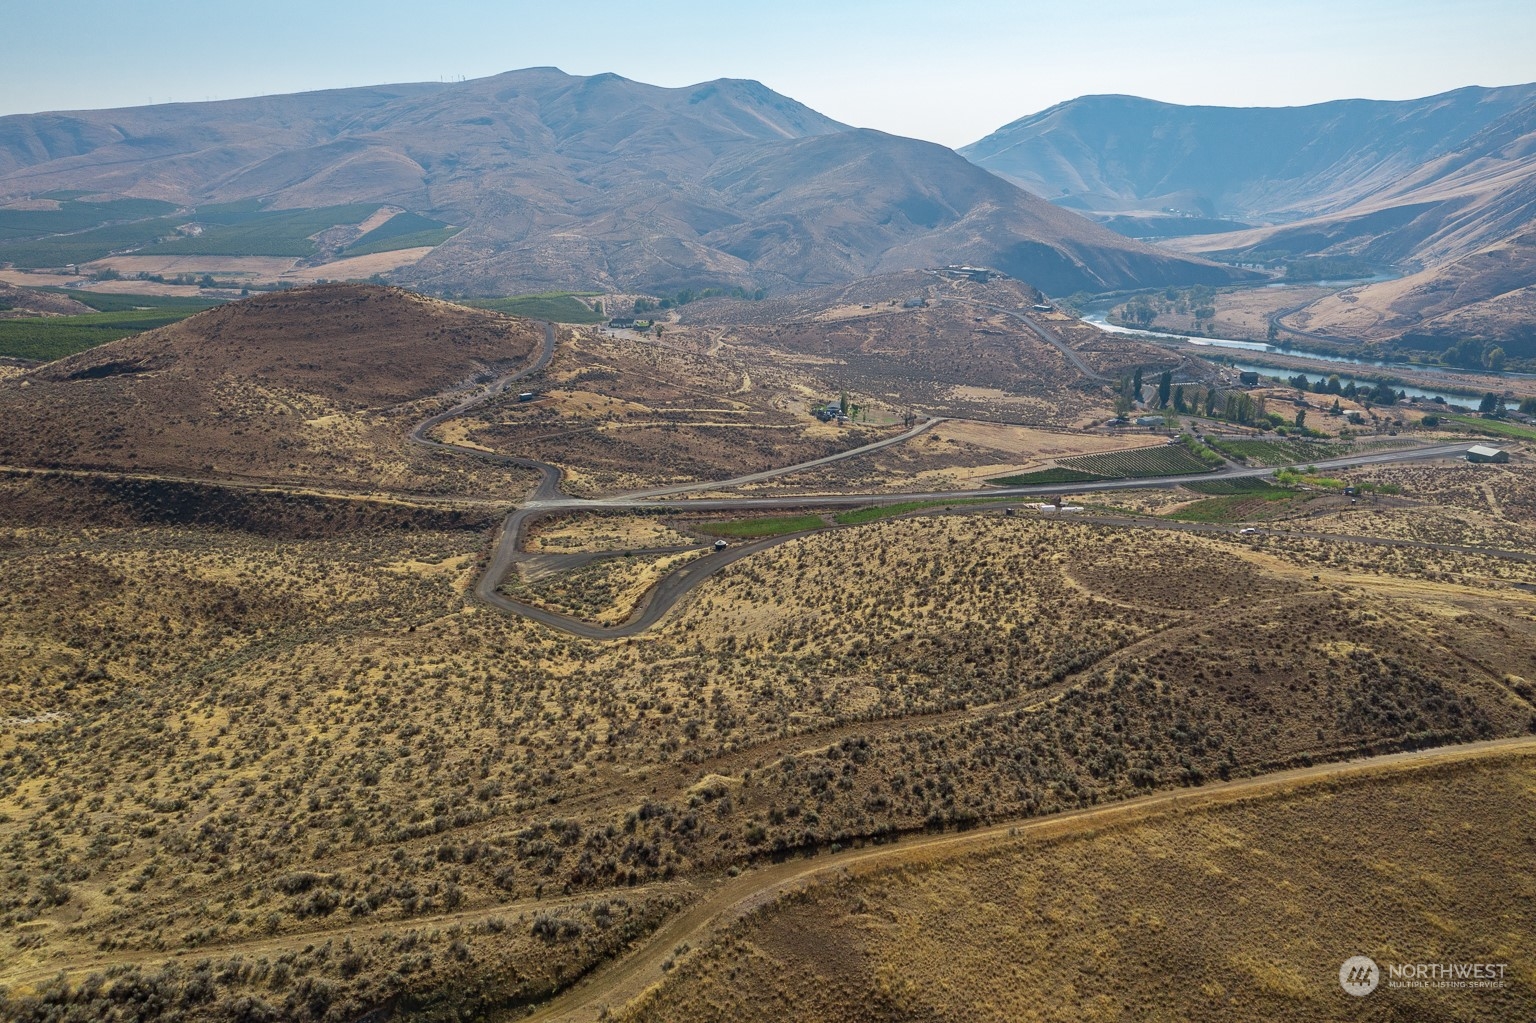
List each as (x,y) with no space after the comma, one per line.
(587,531)
(607,591)
(272,730)
(262,269)
(620,413)
(958,454)
(359,267)
(1244,911)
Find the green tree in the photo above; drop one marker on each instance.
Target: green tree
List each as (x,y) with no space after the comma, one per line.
(1490,405)
(1301,418)
(1210,401)
(1493,359)
(1164,388)
(1528,406)
(1136,383)
(1178,399)
(842,403)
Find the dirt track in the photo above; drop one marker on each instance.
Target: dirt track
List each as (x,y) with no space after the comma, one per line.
(626,979)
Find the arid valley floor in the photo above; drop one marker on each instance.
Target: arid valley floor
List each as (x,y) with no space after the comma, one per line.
(364,654)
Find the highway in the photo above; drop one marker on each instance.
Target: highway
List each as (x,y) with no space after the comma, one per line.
(548,499)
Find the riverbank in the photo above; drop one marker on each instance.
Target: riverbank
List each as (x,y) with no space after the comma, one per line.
(1256,356)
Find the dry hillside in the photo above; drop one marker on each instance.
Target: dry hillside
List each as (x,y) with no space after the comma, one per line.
(1233,912)
(317,385)
(563,181)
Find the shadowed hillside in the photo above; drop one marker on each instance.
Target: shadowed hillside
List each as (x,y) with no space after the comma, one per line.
(553,181)
(316,383)
(1441,188)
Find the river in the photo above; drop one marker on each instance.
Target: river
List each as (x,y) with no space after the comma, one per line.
(1447,395)
(1449,373)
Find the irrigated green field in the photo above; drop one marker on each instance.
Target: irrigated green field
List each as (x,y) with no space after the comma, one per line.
(73,215)
(53,337)
(1277,452)
(1162,461)
(402,231)
(764,526)
(82,232)
(84,246)
(267,233)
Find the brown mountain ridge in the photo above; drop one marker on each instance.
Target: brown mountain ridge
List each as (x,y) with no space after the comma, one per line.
(559,181)
(1441,190)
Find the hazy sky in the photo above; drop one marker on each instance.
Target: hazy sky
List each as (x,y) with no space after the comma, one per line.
(946,71)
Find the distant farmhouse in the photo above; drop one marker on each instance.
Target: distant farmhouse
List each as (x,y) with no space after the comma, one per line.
(831,410)
(1484,453)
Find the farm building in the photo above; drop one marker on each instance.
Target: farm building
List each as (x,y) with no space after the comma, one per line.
(1157,421)
(1484,453)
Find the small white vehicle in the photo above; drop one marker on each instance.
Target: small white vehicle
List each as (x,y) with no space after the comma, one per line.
(1247,531)
(721,545)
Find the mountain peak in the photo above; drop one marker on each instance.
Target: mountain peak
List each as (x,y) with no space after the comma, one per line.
(553,180)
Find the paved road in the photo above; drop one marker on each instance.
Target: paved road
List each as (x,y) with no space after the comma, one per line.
(661,599)
(548,488)
(679,583)
(1046,334)
(768,474)
(620,981)
(547,499)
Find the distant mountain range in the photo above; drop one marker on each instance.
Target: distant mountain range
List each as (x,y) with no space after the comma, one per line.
(1442,188)
(557,181)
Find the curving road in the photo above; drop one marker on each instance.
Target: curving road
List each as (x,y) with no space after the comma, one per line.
(548,488)
(676,585)
(768,474)
(1045,334)
(547,499)
(622,980)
